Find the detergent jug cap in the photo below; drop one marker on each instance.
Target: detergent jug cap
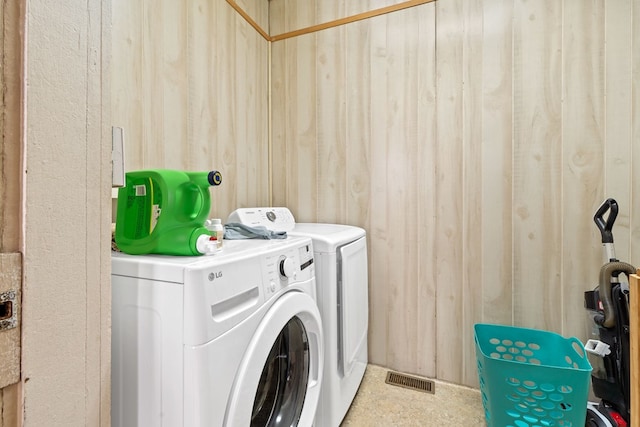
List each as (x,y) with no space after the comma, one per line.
(214,178)
(216,221)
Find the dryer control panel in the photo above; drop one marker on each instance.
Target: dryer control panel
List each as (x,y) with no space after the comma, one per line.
(275,219)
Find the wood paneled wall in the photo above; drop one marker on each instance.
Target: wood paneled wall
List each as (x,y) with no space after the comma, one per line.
(473,140)
(190,89)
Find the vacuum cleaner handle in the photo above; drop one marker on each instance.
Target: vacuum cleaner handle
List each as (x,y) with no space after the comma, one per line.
(609,273)
(606,226)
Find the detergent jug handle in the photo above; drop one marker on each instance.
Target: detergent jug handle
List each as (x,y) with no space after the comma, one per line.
(606,226)
(202,181)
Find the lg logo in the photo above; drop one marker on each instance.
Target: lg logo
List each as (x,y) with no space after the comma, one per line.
(213,276)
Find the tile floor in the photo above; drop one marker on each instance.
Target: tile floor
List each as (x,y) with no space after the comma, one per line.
(380,404)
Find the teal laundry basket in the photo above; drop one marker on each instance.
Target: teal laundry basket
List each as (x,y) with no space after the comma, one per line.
(531,378)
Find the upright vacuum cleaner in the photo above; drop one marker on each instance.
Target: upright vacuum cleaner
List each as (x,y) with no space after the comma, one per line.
(608,327)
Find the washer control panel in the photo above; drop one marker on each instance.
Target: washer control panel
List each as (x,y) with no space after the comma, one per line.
(275,219)
(287,268)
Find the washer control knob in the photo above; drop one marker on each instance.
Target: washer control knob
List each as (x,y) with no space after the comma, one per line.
(287,267)
(272,286)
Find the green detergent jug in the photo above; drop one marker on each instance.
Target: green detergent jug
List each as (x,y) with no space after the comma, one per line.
(164,211)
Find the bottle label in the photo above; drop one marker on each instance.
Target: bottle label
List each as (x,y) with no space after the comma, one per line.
(144,201)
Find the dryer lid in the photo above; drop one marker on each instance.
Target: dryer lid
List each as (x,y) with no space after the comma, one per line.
(328,237)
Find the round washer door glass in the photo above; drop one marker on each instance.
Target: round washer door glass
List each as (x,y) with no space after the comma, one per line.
(283,384)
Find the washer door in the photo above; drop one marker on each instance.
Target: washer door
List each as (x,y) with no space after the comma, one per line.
(278,382)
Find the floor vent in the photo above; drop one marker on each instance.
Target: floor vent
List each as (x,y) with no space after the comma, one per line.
(413,383)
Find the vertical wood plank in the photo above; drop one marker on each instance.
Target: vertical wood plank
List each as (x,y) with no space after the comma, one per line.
(279,112)
(402,169)
(172,73)
(277,12)
(497,165)
(378,231)
(203,92)
(257,102)
(152,85)
(127,77)
(358,123)
(618,143)
(583,122)
(449,86)
(242,146)
(207,55)
(251,104)
(226,73)
(472,196)
(331,125)
(537,164)
(328,11)
(425,185)
(301,157)
(354,7)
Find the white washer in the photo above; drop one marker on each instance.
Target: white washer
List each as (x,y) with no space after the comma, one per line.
(234,339)
(340,252)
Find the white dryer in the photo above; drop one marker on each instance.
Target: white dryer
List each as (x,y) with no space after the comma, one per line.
(340,252)
(234,339)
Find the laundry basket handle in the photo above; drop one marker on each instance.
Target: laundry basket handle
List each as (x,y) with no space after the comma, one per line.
(578,347)
(605,226)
